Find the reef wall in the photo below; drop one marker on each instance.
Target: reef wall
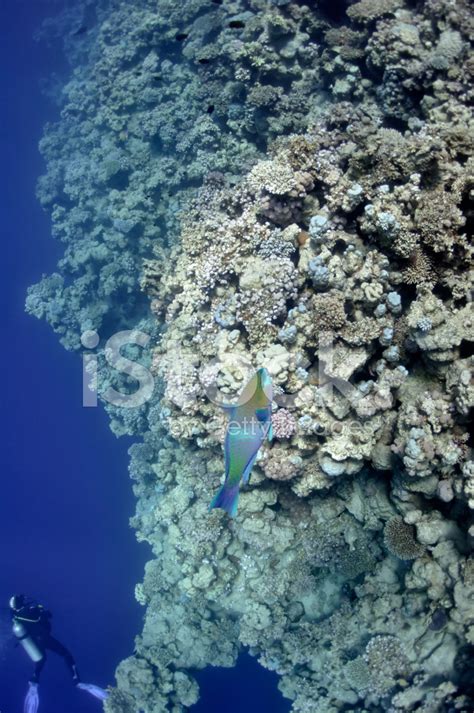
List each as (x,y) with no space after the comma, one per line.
(283,184)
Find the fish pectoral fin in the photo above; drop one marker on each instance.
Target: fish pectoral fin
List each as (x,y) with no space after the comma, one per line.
(261,414)
(248,469)
(270,433)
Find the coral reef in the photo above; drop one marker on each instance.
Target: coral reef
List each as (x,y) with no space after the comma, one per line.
(284,185)
(400,540)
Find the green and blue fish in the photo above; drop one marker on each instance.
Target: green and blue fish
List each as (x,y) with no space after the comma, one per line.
(250,423)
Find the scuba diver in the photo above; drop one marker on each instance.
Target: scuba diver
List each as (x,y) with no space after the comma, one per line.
(32,628)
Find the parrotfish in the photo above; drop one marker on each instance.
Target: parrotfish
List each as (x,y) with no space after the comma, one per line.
(250,423)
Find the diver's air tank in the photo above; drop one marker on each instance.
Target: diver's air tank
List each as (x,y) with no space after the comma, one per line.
(26,641)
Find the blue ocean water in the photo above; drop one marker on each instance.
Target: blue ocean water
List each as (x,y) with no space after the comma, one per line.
(65,498)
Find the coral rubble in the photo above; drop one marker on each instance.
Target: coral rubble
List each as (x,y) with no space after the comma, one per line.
(285,185)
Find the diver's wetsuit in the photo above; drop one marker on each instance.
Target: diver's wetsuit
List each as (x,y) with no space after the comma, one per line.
(36,621)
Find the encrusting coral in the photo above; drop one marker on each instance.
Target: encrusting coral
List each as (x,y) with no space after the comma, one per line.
(400,539)
(287,185)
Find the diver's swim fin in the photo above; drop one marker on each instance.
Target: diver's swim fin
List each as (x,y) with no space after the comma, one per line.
(32,699)
(95,691)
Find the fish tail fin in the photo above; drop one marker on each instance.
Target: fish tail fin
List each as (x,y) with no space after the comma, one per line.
(227,499)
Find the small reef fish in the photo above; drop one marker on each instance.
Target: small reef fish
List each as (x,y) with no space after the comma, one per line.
(250,423)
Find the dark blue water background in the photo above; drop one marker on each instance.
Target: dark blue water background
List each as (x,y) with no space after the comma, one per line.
(65,497)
